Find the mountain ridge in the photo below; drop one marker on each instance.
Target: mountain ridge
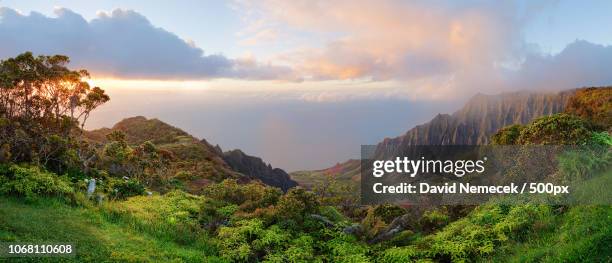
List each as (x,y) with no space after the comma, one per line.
(472,124)
(256,167)
(208,162)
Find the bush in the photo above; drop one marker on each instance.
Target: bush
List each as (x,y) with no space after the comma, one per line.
(295,207)
(601,138)
(31,182)
(594,104)
(388,212)
(488,226)
(249,240)
(301,249)
(558,129)
(123,189)
(214,213)
(433,220)
(507,135)
(581,164)
(331,213)
(400,254)
(247,196)
(345,248)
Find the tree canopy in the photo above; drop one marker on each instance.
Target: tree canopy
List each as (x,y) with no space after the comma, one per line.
(43,104)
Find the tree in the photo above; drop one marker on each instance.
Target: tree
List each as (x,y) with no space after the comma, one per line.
(43,107)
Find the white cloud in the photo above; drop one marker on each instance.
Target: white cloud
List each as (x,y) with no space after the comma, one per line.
(409,49)
(443,48)
(121,43)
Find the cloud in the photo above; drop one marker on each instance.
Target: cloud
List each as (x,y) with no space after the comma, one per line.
(122,43)
(580,64)
(413,49)
(263,36)
(442,47)
(397,39)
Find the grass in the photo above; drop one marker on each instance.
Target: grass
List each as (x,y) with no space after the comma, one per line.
(582,234)
(96,236)
(345,173)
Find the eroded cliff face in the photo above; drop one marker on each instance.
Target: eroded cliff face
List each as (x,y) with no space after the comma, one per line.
(473,124)
(480,118)
(256,168)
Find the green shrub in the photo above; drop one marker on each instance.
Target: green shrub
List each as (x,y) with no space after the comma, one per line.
(558,129)
(294,208)
(601,138)
(248,196)
(31,182)
(331,213)
(507,135)
(123,189)
(582,163)
(388,212)
(248,240)
(433,220)
(400,254)
(301,249)
(345,248)
(213,213)
(479,233)
(593,104)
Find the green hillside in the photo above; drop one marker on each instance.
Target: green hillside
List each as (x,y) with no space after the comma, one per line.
(192,163)
(98,235)
(140,209)
(347,172)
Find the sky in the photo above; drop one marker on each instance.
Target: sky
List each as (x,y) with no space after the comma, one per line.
(304,83)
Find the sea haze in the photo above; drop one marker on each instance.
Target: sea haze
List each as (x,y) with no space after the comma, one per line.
(290,133)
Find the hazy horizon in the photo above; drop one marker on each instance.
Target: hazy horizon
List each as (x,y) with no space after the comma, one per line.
(302,84)
(286,139)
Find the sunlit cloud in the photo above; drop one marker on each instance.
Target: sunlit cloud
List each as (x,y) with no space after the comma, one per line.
(398,40)
(124,44)
(452,49)
(321,51)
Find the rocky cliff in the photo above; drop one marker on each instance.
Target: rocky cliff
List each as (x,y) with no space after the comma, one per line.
(480,118)
(475,123)
(255,167)
(204,162)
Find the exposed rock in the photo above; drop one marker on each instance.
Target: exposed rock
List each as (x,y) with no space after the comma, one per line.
(91,187)
(399,224)
(480,118)
(198,156)
(256,168)
(473,124)
(354,229)
(187,152)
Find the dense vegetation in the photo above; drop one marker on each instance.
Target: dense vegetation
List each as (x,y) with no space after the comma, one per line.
(594,104)
(43,195)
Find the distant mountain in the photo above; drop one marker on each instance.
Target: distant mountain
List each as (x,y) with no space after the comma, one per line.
(205,162)
(473,124)
(255,167)
(479,119)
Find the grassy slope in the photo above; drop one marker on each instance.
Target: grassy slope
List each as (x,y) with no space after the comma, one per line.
(97,237)
(582,234)
(347,172)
